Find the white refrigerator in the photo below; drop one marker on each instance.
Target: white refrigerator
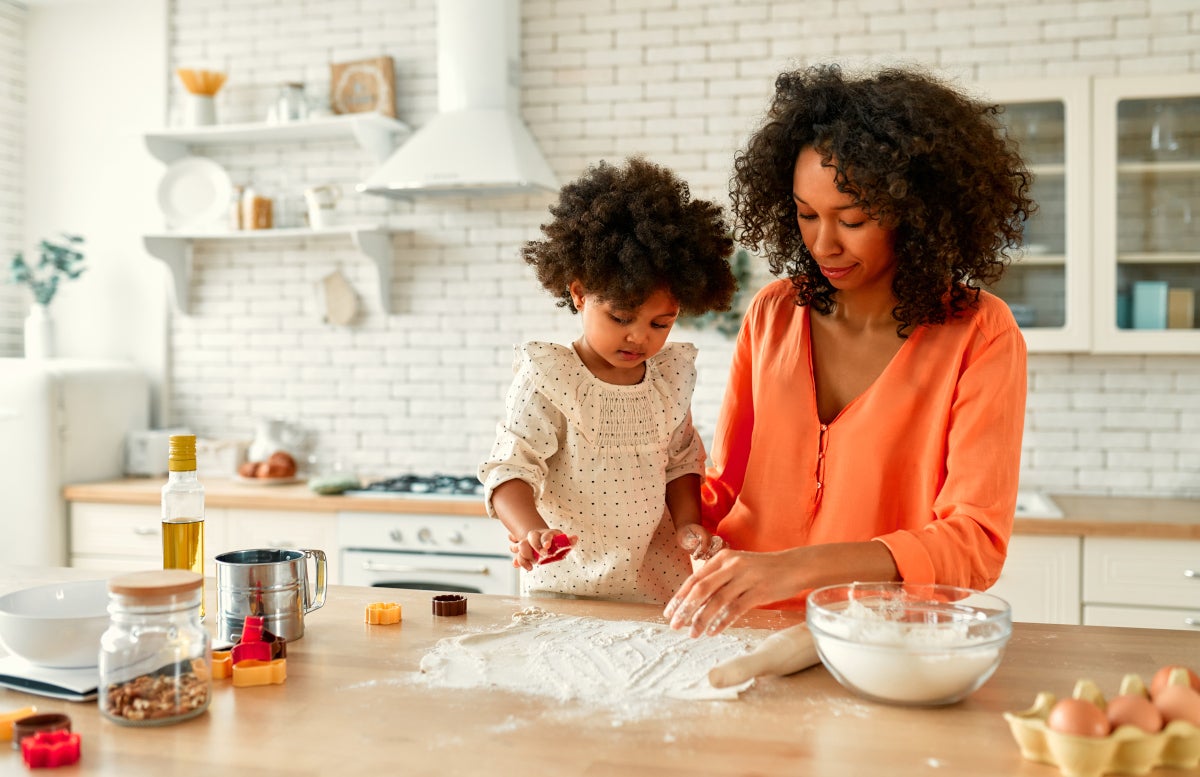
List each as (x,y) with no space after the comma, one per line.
(62,421)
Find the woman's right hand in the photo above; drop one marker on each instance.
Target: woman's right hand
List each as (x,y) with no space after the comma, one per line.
(528,550)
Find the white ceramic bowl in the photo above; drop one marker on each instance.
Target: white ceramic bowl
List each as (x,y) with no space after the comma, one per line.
(58,625)
(909,644)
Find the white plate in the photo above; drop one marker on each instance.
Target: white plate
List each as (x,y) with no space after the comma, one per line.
(194,193)
(265,481)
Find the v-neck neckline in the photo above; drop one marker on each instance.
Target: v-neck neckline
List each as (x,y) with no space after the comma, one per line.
(812,375)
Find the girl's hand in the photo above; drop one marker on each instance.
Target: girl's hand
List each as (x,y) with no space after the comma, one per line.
(697,540)
(528,550)
(728,586)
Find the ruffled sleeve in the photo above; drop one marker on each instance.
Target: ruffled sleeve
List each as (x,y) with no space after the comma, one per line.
(533,425)
(675,376)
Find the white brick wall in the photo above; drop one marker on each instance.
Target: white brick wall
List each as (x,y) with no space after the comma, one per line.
(679,80)
(13,300)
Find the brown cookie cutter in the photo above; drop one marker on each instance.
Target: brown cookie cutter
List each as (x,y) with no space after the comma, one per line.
(449,604)
(33,724)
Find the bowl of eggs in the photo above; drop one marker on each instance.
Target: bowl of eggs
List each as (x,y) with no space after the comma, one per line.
(907,643)
(1133,732)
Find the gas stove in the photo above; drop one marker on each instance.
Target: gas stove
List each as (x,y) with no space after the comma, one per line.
(424,486)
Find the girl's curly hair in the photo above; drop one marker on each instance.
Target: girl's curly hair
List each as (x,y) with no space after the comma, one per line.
(625,232)
(913,152)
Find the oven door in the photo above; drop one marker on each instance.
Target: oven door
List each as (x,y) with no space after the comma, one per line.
(431,571)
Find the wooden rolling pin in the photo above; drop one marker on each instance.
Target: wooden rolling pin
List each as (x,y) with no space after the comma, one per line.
(784,652)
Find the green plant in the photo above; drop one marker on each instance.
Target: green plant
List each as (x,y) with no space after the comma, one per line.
(727,322)
(57,260)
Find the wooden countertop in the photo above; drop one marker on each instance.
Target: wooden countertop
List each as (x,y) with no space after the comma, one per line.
(349,707)
(1084,515)
(293,496)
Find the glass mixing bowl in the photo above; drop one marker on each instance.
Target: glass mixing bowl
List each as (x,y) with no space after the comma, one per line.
(907,643)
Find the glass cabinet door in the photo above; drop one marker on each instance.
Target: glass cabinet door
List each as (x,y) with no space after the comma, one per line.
(1147,229)
(1048,286)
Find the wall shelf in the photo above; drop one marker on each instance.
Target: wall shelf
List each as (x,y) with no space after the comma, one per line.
(375,133)
(175,250)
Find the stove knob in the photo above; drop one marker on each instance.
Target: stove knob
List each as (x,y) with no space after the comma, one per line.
(424,536)
(455,538)
(396,535)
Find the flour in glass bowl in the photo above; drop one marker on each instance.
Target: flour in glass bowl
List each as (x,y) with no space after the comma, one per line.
(884,656)
(567,657)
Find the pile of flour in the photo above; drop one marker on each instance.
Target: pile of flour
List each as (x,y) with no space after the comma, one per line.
(584,659)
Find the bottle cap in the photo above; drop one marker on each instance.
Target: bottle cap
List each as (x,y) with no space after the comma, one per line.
(182,457)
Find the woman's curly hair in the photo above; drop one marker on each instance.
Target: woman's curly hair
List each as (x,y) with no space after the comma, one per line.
(913,152)
(626,232)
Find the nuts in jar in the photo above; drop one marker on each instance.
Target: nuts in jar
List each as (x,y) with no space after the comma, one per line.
(155,657)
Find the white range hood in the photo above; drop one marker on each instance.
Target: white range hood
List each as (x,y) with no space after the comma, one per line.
(477,144)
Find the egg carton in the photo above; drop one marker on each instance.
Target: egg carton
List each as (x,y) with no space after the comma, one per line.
(1127,750)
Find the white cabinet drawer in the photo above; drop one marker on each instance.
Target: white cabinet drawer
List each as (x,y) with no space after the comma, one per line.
(122,531)
(1142,617)
(1153,573)
(279,529)
(1041,579)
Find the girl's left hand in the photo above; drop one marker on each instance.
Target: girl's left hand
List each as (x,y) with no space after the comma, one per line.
(728,586)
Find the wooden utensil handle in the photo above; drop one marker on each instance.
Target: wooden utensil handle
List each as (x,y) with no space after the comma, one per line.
(783,652)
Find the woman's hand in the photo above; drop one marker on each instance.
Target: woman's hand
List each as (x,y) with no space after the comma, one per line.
(728,586)
(529,549)
(733,582)
(697,541)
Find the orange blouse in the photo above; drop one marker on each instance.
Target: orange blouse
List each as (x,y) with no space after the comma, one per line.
(926,460)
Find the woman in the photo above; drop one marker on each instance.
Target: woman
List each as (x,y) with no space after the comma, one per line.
(871,427)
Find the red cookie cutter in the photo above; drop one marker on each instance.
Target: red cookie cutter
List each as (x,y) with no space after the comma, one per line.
(50,749)
(559,547)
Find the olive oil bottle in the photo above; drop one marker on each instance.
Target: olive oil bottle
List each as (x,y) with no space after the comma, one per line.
(183,510)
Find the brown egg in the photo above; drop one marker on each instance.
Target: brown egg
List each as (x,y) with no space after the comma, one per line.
(1132,710)
(1078,717)
(1179,702)
(1162,676)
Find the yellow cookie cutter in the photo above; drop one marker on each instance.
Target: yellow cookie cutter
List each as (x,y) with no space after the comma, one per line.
(222,664)
(383,613)
(254,672)
(8,718)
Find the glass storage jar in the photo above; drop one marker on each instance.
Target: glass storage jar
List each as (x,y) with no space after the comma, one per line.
(155,657)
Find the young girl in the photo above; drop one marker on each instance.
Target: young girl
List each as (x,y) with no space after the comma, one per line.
(597,444)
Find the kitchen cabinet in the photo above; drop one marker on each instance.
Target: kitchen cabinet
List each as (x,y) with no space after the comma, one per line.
(129,536)
(282,529)
(1040,579)
(1147,148)
(1150,583)
(1112,259)
(375,134)
(1049,284)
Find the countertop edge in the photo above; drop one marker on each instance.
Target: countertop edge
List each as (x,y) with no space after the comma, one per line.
(1086,516)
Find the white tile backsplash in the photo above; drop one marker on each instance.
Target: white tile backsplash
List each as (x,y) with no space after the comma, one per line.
(421,389)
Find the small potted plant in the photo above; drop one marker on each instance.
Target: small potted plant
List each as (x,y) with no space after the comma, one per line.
(57,260)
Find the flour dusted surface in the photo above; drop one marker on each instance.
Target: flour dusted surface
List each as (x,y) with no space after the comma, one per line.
(567,657)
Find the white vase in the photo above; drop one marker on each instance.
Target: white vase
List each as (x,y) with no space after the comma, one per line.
(39,333)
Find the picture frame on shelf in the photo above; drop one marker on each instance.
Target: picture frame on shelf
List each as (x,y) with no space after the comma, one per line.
(363,86)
